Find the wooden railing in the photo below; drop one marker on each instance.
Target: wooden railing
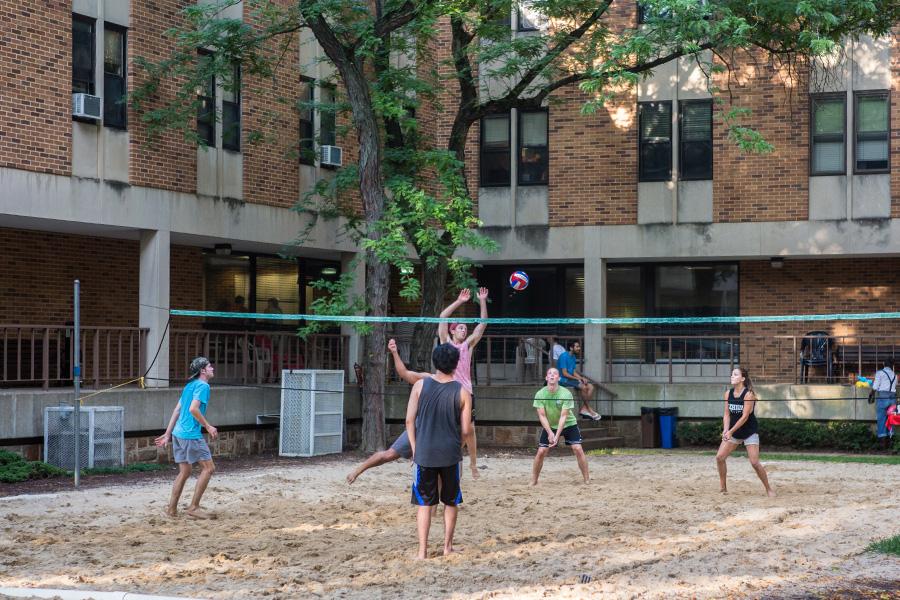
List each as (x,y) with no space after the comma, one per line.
(43,355)
(249,357)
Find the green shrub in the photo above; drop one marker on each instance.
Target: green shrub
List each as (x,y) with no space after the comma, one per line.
(14,468)
(889,545)
(791,433)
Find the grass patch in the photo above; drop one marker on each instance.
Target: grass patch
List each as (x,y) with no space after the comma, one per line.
(627,451)
(132,468)
(15,469)
(829,458)
(889,545)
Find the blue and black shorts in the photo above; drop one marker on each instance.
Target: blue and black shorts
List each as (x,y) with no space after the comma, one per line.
(571,433)
(425,485)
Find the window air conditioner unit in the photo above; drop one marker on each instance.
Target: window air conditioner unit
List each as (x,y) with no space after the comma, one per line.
(332,156)
(87,106)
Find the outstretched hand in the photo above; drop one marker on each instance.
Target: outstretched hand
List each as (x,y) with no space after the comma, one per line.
(482,294)
(392,345)
(464,295)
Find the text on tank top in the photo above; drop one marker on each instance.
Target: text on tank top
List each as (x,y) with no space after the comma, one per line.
(438,426)
(736,410)
(463,367)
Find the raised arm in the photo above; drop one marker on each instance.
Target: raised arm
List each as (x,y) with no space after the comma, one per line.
(479,329)
(405,374)
(444,328)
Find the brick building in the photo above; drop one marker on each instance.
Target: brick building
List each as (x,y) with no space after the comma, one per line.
(642,209)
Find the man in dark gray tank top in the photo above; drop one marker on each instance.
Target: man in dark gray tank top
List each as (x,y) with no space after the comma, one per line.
(438,417)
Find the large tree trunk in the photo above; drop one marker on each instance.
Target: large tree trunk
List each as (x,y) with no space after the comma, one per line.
(434,285)
(371,189)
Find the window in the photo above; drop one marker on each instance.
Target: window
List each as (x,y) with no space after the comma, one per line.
(307,133)
(206,111)
(655,160)
(495,159)
(114,109)
(82,55)
(828,145)
(695,140)
(646,14)
(872,127)
(528,18)
(231,110)
(327,118)
(533,155)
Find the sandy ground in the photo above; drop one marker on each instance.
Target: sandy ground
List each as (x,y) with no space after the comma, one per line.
(649,526)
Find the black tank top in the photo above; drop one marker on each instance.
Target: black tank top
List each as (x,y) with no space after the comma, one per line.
(736,410)
(438,427)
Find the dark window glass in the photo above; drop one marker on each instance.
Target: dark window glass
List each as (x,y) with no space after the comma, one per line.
(327,118)
(307,133)
(231,111)
(646,14)
(534,156)
(495,151)
(206,111)
(655,141)
(528,18)
(114,109)
(82,55)
(828,151)
(872,126)
(696,158)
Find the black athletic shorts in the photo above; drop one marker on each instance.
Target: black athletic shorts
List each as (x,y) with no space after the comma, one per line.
(425,485)
(571,433)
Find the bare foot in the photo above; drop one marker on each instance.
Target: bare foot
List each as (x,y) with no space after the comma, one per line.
(196,513)
(534,482)
(171,512)
(352,477)
(420,556)
(475,473)
(453,550)
(587,481)
(771,493)
(723,491)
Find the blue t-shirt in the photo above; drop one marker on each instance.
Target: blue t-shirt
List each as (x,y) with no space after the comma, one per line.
(187,427)
(568,362)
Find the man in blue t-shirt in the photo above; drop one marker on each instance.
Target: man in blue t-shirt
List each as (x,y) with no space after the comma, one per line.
(570,378)
(188,445)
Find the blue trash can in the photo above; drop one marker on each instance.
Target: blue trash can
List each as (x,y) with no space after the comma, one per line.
(668,417)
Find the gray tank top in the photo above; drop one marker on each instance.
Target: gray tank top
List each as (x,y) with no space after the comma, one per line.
(438,428)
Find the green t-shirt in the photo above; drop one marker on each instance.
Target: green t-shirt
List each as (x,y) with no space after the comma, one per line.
(554,403)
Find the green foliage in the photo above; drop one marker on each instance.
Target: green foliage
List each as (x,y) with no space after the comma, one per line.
(14,469)
(791,433)
(889,545)
(132,468)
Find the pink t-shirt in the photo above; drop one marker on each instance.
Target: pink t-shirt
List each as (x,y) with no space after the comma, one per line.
(463,367)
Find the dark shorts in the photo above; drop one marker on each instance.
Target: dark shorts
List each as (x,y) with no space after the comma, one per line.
(190,451)
(401,446)
(571,384)
(425,485)
(571,433)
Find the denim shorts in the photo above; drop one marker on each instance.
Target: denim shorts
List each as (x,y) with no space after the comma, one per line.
(190,451)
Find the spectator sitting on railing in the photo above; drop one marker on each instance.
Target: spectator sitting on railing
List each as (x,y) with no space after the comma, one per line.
(570,378)
(556,350)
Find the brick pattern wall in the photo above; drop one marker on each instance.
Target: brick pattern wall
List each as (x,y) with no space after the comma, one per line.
(271,168)
(169,162)
(895,125)
(814,287)
(770,187)
(37,274)
(36,100)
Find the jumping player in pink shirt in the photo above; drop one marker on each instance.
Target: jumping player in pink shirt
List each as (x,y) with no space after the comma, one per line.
(456,334)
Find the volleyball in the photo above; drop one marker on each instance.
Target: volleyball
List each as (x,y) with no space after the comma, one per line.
(518,281)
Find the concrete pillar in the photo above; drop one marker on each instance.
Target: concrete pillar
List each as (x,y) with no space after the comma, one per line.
(153,296)
(359,289)
(595,307)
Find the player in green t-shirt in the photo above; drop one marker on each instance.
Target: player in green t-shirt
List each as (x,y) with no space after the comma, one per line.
(555,404)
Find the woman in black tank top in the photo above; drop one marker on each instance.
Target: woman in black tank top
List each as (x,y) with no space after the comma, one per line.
(739,426)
